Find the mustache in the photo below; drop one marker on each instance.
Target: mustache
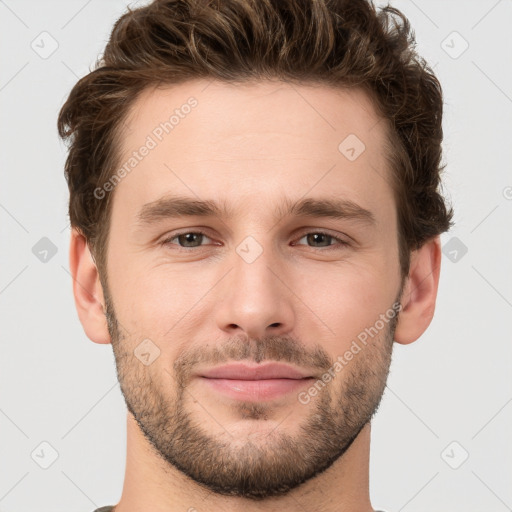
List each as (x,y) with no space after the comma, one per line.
(268,348)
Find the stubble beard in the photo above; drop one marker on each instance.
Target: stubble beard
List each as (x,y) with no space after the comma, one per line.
(260,467)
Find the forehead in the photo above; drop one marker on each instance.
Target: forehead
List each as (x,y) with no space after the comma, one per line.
(255,141)
(220,110)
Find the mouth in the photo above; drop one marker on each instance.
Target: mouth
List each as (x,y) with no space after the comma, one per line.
(250,382)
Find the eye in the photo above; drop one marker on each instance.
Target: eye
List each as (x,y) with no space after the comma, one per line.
(193,239)
(187,239)
(322,239)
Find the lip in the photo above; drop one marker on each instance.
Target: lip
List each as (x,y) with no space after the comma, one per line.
(244,371)
(255,383)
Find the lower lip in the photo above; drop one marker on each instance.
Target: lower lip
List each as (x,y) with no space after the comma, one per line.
(256,390)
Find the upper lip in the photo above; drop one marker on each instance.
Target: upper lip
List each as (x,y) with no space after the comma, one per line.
(245,371)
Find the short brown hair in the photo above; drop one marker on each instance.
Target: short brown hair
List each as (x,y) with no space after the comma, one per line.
(338,43)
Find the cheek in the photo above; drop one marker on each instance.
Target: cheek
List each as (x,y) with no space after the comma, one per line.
(157,299)
(345,301)
(334,300)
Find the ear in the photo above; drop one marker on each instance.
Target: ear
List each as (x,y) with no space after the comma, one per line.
(419,295)
(87,290)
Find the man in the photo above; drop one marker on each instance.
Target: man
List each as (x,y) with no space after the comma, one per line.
(254,196)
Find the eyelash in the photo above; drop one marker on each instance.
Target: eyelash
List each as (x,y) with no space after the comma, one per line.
(341,243)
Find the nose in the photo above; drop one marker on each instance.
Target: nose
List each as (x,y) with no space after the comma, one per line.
(255,298)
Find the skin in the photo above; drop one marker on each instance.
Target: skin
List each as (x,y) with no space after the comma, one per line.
(250,146)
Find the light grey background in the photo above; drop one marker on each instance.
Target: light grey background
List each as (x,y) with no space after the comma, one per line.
(453,385)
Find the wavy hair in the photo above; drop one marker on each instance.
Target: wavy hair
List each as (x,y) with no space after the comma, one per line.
(338,43)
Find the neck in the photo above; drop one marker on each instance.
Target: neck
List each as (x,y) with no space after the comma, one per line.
(150,480)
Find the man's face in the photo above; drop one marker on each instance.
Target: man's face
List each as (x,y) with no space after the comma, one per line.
(260,285)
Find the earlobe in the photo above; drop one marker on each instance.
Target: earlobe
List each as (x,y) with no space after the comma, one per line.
(420,292)
(87,290)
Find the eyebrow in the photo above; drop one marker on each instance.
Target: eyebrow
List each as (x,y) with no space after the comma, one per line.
(181,206)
